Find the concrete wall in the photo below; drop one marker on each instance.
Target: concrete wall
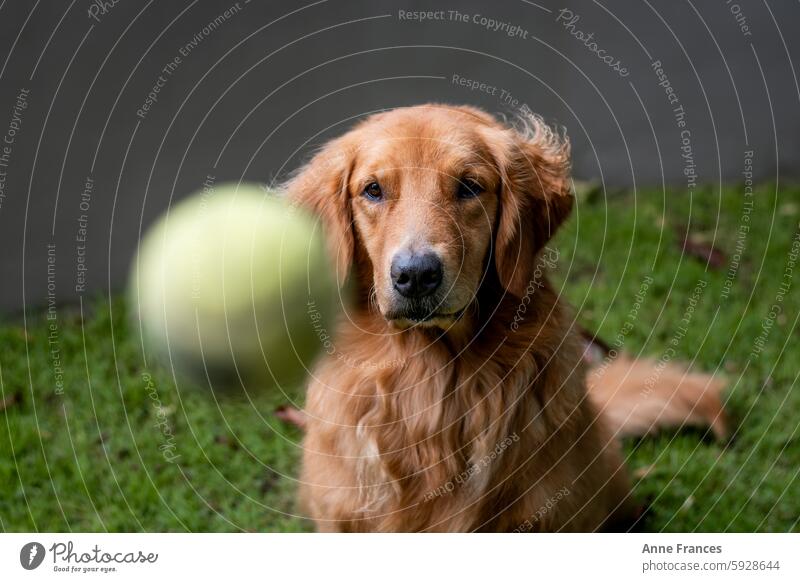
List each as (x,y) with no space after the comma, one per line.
(245,90)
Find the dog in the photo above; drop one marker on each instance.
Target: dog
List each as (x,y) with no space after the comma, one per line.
(457,399)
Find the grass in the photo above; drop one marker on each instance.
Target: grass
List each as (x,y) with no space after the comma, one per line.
(91,458)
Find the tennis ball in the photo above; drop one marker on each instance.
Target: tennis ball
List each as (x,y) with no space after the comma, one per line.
(233,287)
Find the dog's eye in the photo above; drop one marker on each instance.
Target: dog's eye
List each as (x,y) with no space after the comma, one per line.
(468,188)
(373,191)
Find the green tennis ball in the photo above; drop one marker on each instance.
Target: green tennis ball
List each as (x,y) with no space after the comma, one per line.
(233,286)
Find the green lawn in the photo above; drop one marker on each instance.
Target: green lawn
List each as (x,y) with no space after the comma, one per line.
(97,456)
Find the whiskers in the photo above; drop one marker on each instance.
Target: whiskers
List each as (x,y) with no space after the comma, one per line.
(372,300)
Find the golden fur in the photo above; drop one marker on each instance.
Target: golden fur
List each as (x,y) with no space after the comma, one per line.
(475,418)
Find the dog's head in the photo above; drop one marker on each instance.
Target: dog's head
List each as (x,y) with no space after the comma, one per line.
(422,204)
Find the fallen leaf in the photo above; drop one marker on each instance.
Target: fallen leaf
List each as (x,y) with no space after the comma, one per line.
(643,472)
(9,401)
(695,247)
(291,415)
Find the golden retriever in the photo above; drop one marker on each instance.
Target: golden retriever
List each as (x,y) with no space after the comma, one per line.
(457,397)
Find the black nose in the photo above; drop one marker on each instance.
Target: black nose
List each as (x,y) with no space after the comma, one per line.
(416,275)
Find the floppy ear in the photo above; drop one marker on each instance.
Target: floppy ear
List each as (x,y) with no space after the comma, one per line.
(535,198)
(321,188)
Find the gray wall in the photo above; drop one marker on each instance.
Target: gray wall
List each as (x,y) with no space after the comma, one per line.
(246,99)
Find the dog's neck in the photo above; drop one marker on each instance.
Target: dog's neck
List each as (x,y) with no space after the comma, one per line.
(416,393)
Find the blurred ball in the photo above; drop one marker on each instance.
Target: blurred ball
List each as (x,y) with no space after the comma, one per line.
(233,286)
